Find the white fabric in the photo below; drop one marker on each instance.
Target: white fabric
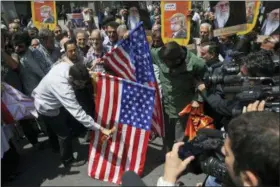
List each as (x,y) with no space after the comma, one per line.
(196,17)
(162,182)
(54,92)
(269,27)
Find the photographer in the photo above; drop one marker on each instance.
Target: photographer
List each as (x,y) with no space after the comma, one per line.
(255,65)
(210,53)
(245,149)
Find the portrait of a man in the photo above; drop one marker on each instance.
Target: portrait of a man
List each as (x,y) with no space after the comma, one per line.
(250,7)
(270,25)
(46,13)
(178,25)
(228,13)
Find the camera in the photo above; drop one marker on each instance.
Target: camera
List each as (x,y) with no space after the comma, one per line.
(206,147)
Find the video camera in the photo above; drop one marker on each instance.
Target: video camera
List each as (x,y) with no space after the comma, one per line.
(206,147)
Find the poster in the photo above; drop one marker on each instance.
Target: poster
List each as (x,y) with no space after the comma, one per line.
(252,12)
(76,19)
(230,17)
(175,25)
(44,14)
(270,25)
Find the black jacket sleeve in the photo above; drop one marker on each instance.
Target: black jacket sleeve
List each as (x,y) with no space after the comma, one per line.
(218,103)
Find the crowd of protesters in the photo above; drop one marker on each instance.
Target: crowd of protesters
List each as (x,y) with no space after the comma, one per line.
(52,66)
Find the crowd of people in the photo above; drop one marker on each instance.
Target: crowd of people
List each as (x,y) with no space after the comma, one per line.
(54,67)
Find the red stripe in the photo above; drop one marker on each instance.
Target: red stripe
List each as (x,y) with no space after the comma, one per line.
(125,60)
(118,137)
(105,117)
(98,91)
(115,154)
(121,66)
(144,152)
(101,83)
(125,149)
(135,149)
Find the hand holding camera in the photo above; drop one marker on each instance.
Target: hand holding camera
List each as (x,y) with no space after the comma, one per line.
(174,166)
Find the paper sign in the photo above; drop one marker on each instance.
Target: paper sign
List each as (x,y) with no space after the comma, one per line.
(175,25)
(44,14)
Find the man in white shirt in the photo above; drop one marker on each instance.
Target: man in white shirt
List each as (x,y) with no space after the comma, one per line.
(55,101)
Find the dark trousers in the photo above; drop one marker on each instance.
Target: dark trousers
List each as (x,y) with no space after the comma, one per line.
(174,131)
(28,127)
(60,134)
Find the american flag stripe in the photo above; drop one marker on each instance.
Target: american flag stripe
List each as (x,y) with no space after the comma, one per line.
(119,61)
(107,118)
(126,150)
(124,69)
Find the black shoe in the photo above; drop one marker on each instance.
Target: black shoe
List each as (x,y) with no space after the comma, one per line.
(74,163)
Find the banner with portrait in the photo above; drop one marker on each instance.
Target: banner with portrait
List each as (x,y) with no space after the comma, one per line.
(44,14)
(175,25)
(230,17)
(270,25)
(252,13)
(76,19)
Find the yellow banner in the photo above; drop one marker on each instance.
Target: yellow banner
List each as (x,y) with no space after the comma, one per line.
(174,22)
(44,14)
(252,12)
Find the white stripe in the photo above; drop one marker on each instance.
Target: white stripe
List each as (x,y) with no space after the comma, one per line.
(100,112)
(127,57)
(139,150)
(109,115)
(120,61)
(118,163)
(130,150)
(113,145)
(117,69)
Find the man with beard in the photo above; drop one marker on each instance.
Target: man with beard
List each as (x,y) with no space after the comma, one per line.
(57,35)
(133,18)
(30,74)
(228,14)
(178,25)
(271,25)
(96,52)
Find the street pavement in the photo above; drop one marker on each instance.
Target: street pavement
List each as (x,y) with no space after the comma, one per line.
(43,168)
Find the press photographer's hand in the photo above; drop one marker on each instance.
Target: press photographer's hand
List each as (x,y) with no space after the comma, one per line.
(256,106)
(174,166)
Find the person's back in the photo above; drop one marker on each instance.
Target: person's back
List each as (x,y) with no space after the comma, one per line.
(45,98)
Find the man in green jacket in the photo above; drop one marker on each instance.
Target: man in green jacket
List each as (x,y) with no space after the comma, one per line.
(178,70)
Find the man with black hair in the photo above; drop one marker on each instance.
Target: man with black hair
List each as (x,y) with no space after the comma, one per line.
(251,151)
(112,34)
(55,101)
(178,68)
(30,73)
